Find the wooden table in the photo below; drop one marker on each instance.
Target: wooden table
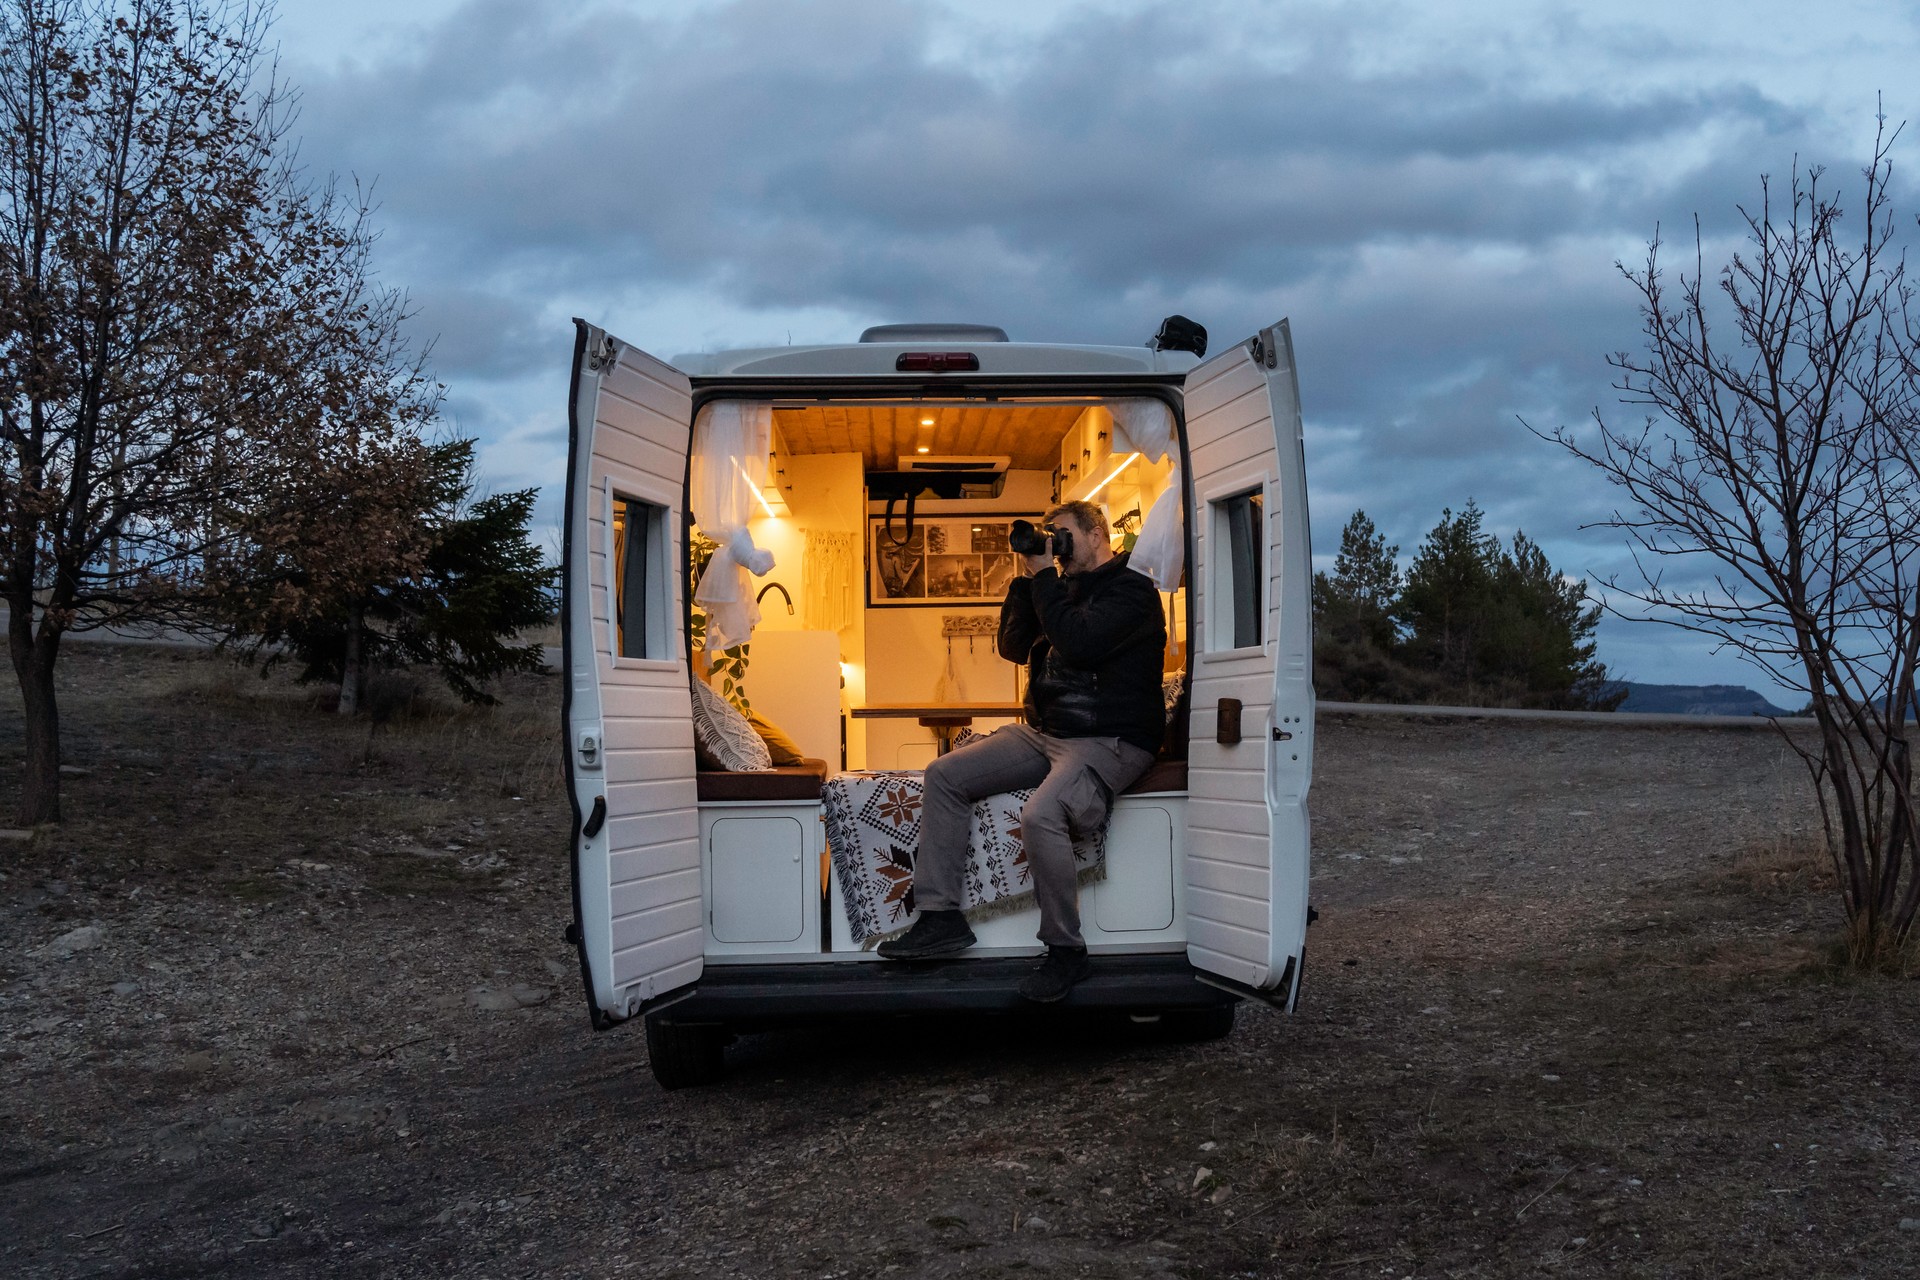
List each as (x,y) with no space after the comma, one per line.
(941,717)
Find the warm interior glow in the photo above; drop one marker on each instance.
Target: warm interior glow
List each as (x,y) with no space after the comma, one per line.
(922,449)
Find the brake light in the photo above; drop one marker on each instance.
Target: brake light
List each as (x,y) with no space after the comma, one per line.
(936,361)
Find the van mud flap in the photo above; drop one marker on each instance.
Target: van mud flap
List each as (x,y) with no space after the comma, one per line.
(1280,997)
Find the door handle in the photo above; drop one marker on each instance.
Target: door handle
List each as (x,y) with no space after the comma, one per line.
(595,820)
(1226,729)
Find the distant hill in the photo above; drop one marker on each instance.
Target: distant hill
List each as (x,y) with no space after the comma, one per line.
(1696,700)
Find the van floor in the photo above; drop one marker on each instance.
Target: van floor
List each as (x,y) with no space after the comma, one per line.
(1570,1008)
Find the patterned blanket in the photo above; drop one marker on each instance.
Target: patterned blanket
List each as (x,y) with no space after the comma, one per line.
(873,832)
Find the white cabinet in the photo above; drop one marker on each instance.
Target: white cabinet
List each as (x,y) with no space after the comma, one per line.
(762,869)
(1137,895)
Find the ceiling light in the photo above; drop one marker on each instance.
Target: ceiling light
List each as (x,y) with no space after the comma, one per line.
(924,449)
(926,422)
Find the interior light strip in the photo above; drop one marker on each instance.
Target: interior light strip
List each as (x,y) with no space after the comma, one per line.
(1124,464)
(758,497)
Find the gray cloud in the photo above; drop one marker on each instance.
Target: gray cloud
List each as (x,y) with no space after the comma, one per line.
(1440,228)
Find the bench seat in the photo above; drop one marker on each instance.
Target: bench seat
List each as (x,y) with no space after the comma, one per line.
(1165,775)
(803,781)
(787,782)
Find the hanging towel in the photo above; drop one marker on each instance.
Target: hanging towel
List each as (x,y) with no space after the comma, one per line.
(1160,552)
(729,464)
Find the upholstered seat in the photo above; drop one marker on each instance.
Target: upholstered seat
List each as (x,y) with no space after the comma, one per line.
(1165,775)
(787,782)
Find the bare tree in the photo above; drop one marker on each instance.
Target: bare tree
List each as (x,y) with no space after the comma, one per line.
(185,321)
(1780,448)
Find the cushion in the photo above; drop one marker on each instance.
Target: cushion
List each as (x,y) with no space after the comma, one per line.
(1173,688)
(783,782)
(782,748)
(1164,775)
(724,732)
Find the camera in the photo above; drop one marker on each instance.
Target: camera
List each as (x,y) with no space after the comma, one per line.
(1027,540)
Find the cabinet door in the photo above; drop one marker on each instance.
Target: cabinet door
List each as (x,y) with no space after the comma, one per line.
(759,879)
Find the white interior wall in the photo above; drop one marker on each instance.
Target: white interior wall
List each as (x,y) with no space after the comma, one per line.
(825,491)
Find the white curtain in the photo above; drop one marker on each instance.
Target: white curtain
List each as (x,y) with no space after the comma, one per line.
(1160,552)
(730,443)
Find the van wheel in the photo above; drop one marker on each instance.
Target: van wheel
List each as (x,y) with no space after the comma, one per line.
(685,1055)
(1194,1025)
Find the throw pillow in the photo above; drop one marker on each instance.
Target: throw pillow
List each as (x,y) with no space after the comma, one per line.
(1172,685)
(783,749)
(725,733)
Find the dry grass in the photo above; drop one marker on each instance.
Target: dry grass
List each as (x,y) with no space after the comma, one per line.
(197,767)
(1782,866)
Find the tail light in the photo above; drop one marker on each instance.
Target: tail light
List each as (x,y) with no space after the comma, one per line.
(936,362)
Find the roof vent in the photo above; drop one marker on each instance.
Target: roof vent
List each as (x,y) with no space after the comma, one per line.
(934,333)
(984,463)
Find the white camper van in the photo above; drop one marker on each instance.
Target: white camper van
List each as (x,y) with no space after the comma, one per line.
(706,900)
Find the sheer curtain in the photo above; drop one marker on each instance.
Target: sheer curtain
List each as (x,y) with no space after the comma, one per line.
(730,443)
(1160,552)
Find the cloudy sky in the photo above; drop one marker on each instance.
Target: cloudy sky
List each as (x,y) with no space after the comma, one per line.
(1435,194)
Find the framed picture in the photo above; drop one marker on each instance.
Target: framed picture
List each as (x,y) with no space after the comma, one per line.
(948,560)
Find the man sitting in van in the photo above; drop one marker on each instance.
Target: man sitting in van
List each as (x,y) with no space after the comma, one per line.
(1092,635)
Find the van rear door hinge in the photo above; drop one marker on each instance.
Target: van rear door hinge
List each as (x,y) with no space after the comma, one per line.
(602,350)
(1264,350)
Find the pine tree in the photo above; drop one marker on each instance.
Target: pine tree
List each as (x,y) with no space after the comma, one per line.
(1499,626)
(1356,603)
(479,582)
(1539,637)
(1446,603)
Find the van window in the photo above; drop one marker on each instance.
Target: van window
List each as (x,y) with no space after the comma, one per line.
(1238,532)
(639,578)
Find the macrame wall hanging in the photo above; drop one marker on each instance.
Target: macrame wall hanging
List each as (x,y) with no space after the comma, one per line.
(830,578)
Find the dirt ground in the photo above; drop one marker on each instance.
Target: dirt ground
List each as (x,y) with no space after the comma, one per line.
(1570,1009)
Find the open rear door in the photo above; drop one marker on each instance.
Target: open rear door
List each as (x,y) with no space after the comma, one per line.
(629,719)
(1251,753)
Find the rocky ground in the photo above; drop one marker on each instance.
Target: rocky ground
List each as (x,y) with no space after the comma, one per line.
(287,997)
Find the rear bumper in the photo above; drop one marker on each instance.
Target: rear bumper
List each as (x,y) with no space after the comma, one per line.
(784,995)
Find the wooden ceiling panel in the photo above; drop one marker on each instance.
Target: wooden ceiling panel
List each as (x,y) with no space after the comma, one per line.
(1029,434)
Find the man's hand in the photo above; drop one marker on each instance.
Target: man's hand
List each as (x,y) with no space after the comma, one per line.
(1036,563)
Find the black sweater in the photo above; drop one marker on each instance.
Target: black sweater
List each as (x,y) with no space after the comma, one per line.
(1094,644)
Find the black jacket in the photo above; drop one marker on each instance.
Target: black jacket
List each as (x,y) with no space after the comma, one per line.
(1094,644)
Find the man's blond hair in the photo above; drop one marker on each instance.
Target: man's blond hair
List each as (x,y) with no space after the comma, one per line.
(1086,515)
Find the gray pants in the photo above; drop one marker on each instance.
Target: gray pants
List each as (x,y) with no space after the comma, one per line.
(1077,780)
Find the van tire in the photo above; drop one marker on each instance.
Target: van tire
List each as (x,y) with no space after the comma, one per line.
(1191,1026)
(686,1055)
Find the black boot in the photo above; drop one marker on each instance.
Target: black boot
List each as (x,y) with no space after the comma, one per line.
(1057,974)
(935,933)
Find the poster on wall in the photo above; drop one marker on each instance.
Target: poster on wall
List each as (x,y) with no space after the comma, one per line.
(947,560)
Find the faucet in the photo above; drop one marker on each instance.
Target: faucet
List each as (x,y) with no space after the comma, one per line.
(774,586)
